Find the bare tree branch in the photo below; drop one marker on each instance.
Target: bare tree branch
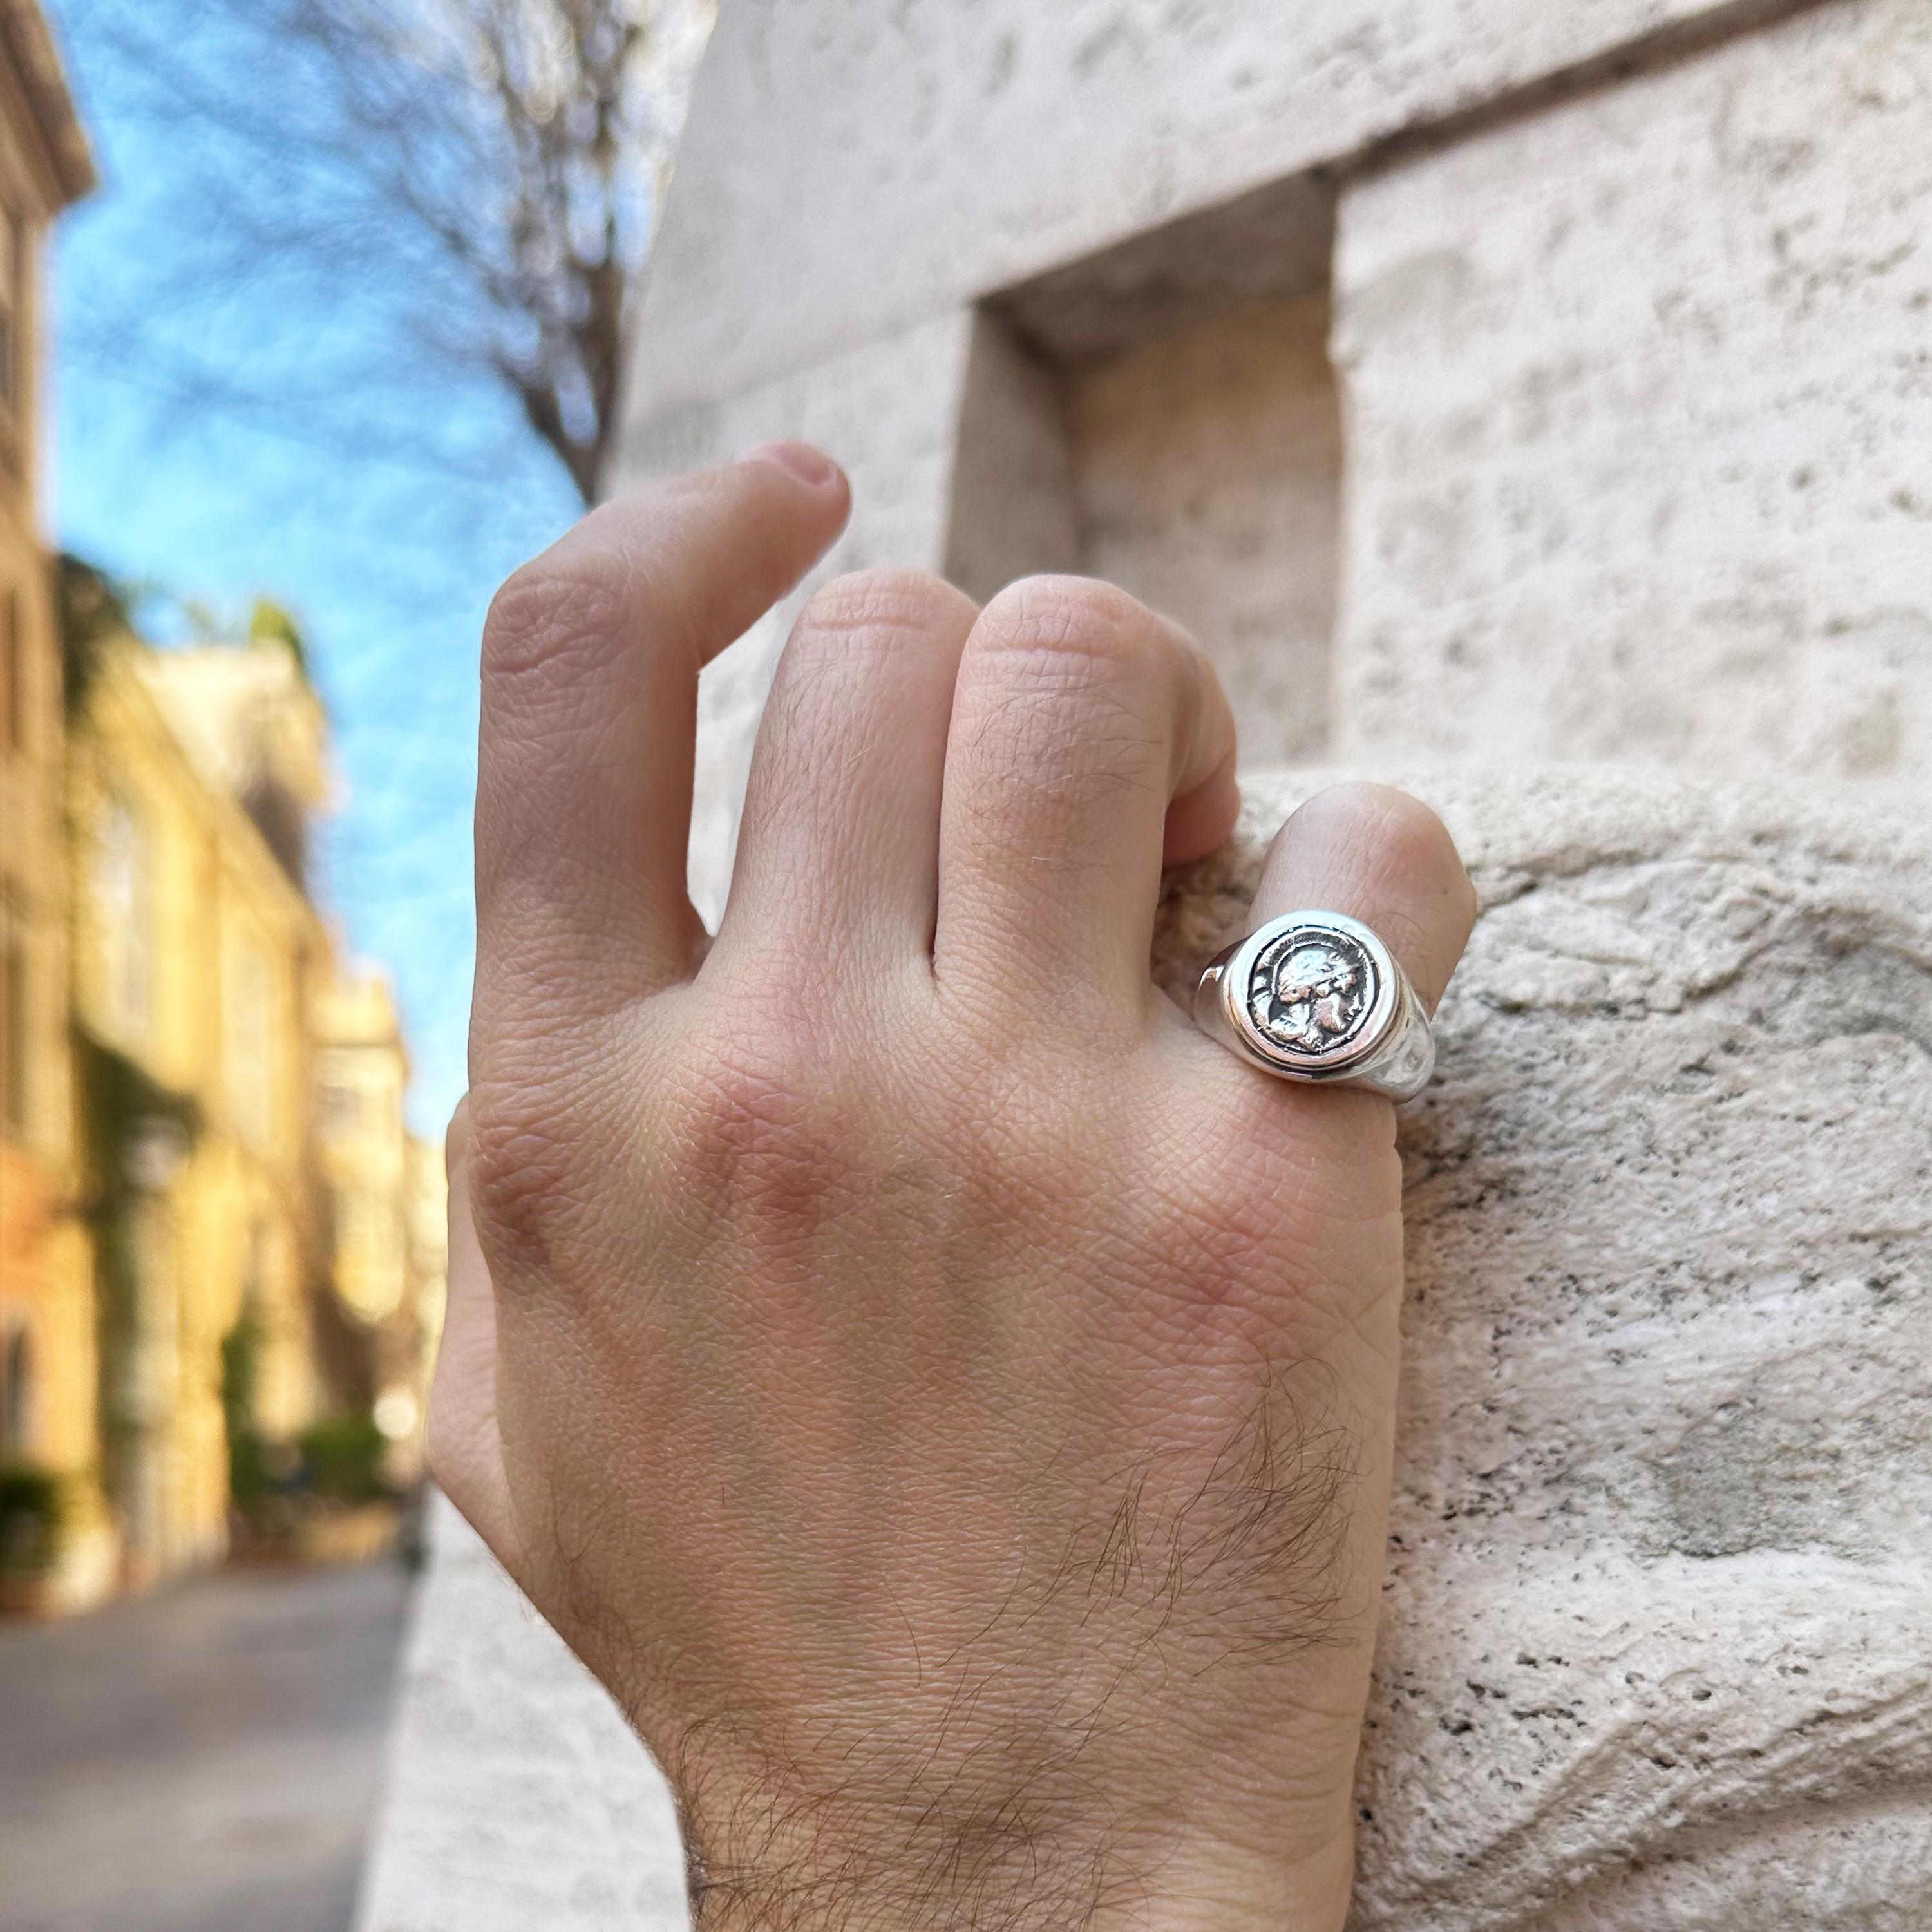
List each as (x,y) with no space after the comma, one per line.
(469,183)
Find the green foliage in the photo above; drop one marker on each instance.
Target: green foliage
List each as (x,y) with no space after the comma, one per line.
(251,1475)
(272,623)
(241,1359)
(275,1485)
(342,1455)
(33,1512)
(94,610)
(252,1485)
(116,1098)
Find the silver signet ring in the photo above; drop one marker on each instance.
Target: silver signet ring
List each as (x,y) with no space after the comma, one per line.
(1316,996)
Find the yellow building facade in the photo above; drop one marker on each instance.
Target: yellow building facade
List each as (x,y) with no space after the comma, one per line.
(214,1225)
(429,1248)
(47,1360)
(386,1204)
(196,952)
(362,1069)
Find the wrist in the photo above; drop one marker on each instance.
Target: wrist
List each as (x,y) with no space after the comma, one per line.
(804,1865)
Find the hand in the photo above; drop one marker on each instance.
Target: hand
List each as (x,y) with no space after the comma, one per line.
(945,1398)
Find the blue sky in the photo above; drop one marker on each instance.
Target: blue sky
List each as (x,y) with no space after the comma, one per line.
(387,556)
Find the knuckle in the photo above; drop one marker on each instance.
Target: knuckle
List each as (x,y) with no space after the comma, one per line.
(1070,682)
(523,1170)
(888,603)
(747,1129)
(846,633)
(1079,619)
(1418,893)
(778,995)
(1383,820)
(550,617)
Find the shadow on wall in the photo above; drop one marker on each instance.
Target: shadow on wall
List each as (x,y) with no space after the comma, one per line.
(1165,414)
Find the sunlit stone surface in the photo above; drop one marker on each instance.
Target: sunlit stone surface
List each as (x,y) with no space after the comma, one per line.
(1658,1633)
(1597,428)
(1658,1643)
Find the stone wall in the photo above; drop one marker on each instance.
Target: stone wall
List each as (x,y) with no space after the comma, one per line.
(1639,460)
(853,167)
(518,1800)
(1656,1655)
(1617,451)
(1656,1651)
(1621,449)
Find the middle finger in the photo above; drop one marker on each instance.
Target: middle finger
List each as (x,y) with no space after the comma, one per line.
(1090,740)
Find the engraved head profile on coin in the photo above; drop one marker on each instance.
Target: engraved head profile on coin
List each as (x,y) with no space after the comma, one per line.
(1312,991)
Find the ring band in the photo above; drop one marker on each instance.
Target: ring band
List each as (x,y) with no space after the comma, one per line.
(1317,997)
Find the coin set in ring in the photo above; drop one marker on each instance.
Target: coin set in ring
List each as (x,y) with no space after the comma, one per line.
(1316,996)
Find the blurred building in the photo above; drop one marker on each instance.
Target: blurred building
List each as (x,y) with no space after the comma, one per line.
(196,951)
(429,1247)
(215,1230)
(384,1199)
(247,1178)
(403,1409)
(46,1365)
(363,1070)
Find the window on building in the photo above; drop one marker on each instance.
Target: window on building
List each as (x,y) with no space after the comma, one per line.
(370,1256)
(279,817)
(341,1109)
(13,674)
(124,899)
(14,1034)
(365,1226)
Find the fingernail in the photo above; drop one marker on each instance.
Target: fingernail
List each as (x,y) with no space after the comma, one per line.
(810,466)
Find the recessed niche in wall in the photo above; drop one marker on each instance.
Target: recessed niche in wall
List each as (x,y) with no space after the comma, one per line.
(1165,414)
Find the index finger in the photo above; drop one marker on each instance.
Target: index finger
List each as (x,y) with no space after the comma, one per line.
(590,661)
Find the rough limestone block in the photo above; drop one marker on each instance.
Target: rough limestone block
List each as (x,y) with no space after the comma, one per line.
(1656,1651)
(1636,460)
(851,167)
(891,414)
(1208,463)
(518,1799)
(1640,466)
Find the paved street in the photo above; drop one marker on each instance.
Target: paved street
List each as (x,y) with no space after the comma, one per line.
(205,1760)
